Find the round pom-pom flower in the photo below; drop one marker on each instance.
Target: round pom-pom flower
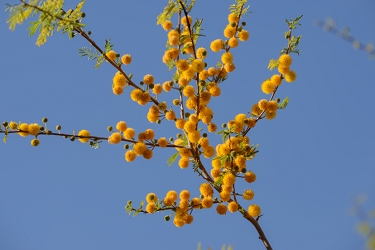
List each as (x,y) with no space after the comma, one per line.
(248,194)
(207,202)
(150,208)
(33,129)
(126,59)
(111,55)
(233,42)
(148,79)
(268,87)
(270,115)
(167,25)
(254,210)
(130,156)
(119,79)
(115,138)
(233,18)
(170,115)
(139,148)
(227,57)
(172,195)
(121,126)
(84,133)
(13,125)
(221,209)
(163,142)
(157,89)
(272,106)
(229,31)
(229,179)
(232,206)
(216,45)
(23,127)
(285,59)
(206,189)
(183,163)
(290,76)
(151,198)
(184,21)
(276,79)
(147,154)
(243,35)
(250,177)
(208,151)
(201,53)
(184,195)
(35,142)
(129,133)
(263,104)
(198,65)
(117,90)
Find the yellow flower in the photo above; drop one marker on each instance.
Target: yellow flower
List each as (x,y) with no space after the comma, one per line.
(151,198)
(157,89)
(215,91)
(227,57)
(233,42)
(184,195)
(232,206)
(111,55)
(183,163)
(248,194)
(162,142)
(198,65)
(229,31)
(167,86)
(172,195)
(147,154)
(201,53)
(180,123)
(270,115)
(221,209)
(130,156)
(229,179)
(203,142)
(224,195)
(129,133)
(117,90)
(35,142)
(254,210)
(189,91)
(33,129)
(139,148)
(145,98)
(170,115)
(216,45)
(148,79)
(206,189)
(250,177)
(149,134)
(121,126)
(285,59)
(290,76)
(114,138)
(272,106)
(207,202)
(240,118)
(283,68)
(167,25)
(194,136)
(263,104)
(233,18)
(13,125)
(184,20)
(189,73)
(255,110)
(276,80)
(126,59)
(208,151)
(84,133)
(243,35)
(182,65)
(150,208)
(229,67)
(136,94)
(211,127)
(268,87)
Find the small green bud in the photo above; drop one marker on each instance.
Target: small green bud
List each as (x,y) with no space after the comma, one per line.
(158,121)
(58,127)
(141,83)
(83,15)
(179,136)
(72,138)
(236,168)
(223,125)
(151,85)
(89,33)
(126,146)
(45,120)
(65,136)
(171,83)
(233,24)
(277,100)
(117,55)
(41,128)
(246,121)
(171,139)
(201,196)
(243,23)
(109,128)
(167,218)
(5,124)
(204,135)
(243,170)
(187,114)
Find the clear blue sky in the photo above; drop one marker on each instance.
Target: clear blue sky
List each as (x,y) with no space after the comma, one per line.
(315,157)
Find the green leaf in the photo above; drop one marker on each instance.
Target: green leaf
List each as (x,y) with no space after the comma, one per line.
(168,12)
(33,27)
(284,103)
(273,64)
(172,159)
